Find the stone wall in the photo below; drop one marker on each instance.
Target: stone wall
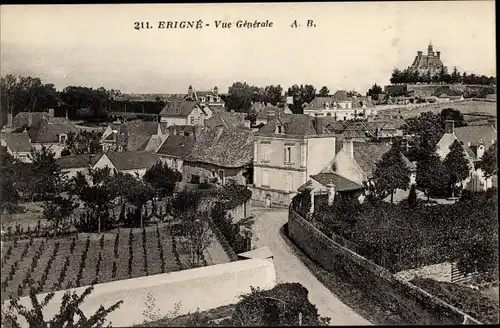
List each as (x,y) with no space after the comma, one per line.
(414,304)
(278,197)
(201,288)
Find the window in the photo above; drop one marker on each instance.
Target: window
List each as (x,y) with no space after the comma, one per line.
(195,178)
(265,152)
(192,120)
(288,155)
(265,178)
(279,129)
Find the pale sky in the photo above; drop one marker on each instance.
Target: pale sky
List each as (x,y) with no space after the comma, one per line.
(352,46)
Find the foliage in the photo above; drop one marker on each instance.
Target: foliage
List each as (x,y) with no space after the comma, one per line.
(456,164)
(412,196)
(428,129)
(241,95)
(391,173)
(97,200)
(96,102)
(9,194)
(162,178)
(324,92)
(301,94)
(488,163)
(405,76)
(47,179)
(280,306)
(468,300)
(196,229)
(85,142)
(58,212)
(454,115)
(70,308)
(431,175)
(374,90)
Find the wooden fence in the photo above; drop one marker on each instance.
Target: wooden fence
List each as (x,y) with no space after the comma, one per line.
(459,277)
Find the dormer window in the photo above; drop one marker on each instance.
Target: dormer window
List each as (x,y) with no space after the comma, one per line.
(279,129)
(62,138)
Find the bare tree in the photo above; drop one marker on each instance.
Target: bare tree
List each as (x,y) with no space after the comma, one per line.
(198,236)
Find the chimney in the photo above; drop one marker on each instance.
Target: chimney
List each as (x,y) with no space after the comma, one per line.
(9,120)
(349,147)
(30,119)
(66,113)
(158,131)
(270,115)
(190,92)
(51,113)
(175,130)
(331,193)
(449,126)
(493,123)
(480,149)
(216,91)
(318,123)
(438,54)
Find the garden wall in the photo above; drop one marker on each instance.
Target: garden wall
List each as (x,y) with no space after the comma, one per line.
(415,305)
(204,288)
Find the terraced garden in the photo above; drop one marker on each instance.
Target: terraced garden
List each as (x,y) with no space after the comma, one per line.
(57,264)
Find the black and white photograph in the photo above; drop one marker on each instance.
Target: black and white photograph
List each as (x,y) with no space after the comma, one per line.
(249,164)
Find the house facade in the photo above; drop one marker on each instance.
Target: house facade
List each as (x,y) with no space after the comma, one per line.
(356,161)
(186,112)
(210,98)
(72,164)
(220,155)
(133,135)
(287,150)
(475,140)
(175,149)
(135,163)
(52,136)
(340,107)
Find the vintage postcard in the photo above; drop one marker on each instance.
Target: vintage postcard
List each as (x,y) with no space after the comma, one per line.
(249,164)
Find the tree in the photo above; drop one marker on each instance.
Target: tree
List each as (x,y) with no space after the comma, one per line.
(431,174)
(391,173)
(58,212)
(69,310)
(47,179)
(199,237)
(428,129)
(273,94)
(287,304)
(239,97)
(85,142)
(9,194)
(324,92)
(412,196)
(301,94)
(162,178)
(488,163)
(456,164)
(454,115)
(353,93)
(374,90)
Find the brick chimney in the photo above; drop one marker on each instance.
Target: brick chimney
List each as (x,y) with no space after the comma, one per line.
(9,120)
(349,147)
(190,92)
(318,124)
(449,126)
(331,193)
(30,119)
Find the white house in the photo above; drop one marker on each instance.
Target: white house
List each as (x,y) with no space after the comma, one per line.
(135,163)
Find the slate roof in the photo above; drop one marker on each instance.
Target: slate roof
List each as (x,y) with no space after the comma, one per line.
(18,142)
(139,133)
(475,134)
(226,119)
(178,108)
(130,160)
(177,146)
(76,161)
(295,125)
(341,183)
(155,142)
(45,132)
(22,118)
(367,154)
(340,96)
(223,147)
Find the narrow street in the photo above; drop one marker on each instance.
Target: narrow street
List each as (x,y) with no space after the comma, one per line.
(266,232)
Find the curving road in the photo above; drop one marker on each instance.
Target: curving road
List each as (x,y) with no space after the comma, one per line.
(291,269)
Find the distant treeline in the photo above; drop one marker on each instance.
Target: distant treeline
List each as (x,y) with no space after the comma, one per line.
(20,93)
(405,76)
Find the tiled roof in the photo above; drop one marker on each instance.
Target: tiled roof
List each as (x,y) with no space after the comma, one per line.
(226,119)
(18,142)
(177,146)
(341,183)
(181,129)
(76,161)
(130,160)
(339,96)
(223,147)
(296,125)
(22,118)
(138,133)
(45,132)
(367,154)
(475,134)
(178,108)
(155,142)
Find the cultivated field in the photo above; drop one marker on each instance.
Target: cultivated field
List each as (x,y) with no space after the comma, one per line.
(57,264)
